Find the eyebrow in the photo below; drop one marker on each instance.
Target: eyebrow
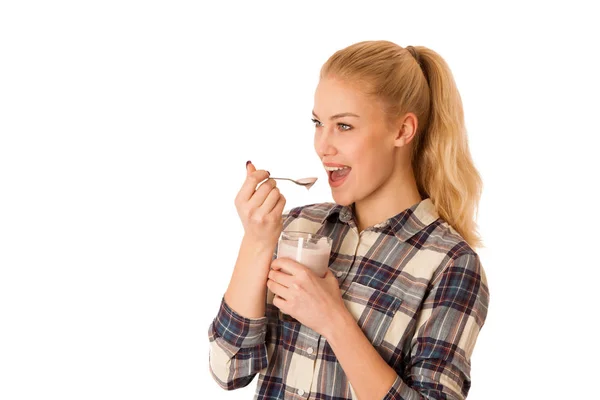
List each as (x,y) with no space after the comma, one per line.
(346,114)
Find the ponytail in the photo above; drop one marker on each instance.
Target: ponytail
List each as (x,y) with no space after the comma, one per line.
(444,169)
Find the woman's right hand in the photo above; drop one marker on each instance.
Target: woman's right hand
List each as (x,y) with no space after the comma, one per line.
(261,209)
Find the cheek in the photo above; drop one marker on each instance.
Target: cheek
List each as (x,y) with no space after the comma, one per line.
(374,161)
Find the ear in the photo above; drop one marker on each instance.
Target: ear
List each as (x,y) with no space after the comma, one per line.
(406,128)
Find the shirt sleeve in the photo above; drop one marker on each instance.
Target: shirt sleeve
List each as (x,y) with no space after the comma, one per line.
(453,313)
(237,347)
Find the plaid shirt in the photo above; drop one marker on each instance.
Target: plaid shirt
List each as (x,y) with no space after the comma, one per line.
(414,286)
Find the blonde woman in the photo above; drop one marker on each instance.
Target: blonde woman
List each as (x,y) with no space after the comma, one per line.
(399,311)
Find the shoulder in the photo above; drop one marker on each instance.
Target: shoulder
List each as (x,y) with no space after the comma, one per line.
(457,252)
(317,212)
(308,218)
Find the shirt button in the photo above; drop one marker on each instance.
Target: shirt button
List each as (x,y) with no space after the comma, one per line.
(301,392)
(310,350)
(339,274)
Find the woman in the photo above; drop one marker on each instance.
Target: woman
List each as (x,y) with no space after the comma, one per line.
(399,311)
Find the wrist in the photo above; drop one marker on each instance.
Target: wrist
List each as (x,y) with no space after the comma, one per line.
(254,261)
(338,325)
(258,246)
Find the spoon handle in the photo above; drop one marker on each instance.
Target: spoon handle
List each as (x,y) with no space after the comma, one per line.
(284,179)
(296,182)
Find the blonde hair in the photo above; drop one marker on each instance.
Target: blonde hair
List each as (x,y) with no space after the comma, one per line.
(418,80)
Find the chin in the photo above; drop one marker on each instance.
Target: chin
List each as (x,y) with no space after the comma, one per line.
(343,199)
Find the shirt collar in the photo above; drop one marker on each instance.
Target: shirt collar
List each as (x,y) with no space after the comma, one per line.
(404,225)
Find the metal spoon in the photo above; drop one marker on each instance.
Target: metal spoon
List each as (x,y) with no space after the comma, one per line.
(306,182)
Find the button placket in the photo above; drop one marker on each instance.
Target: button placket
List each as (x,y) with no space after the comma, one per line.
(309,344)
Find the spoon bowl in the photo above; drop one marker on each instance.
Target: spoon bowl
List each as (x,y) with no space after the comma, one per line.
(306,182)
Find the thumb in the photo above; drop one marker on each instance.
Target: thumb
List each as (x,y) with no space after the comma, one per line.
(249,167)
(329,276)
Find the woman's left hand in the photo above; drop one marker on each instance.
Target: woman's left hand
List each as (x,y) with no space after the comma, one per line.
(310,299)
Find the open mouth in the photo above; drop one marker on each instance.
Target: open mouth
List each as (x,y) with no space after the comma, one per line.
(337,175)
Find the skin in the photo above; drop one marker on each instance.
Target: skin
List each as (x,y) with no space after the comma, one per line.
(381,184)
(260,211)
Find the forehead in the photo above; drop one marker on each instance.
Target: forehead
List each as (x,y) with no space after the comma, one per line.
(333,96)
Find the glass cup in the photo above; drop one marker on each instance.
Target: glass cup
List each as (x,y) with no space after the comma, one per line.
(309,249)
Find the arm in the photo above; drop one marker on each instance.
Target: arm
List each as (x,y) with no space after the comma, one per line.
(237,334)
(370,376)
(247,288)
(439,365)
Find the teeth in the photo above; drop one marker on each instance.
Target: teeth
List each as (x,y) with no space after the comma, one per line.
(335,168)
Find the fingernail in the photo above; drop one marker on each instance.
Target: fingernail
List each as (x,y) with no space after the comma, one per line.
(248,162)
(269,173)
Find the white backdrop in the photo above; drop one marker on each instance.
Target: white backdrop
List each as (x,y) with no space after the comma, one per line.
(125,127)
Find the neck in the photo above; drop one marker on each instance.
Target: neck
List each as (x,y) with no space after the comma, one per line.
(392,198)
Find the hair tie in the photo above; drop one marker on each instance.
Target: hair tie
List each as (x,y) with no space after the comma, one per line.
(415,54)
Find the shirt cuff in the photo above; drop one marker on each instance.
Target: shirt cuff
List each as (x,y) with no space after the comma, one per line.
(239,331)
(398,391)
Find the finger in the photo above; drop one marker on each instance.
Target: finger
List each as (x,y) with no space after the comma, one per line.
(250,168)
(281,278)
(252,180)
(292,267)
(263,210)
(260,195)
(278,289)
(271,201)
(280,303)
(279,207)
(330,276)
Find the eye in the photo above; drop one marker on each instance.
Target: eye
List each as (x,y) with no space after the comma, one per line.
(344,127)
(316,122)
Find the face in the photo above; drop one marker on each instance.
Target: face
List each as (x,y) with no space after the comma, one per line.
(353,141)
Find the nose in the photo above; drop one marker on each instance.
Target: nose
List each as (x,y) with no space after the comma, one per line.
(323,143)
